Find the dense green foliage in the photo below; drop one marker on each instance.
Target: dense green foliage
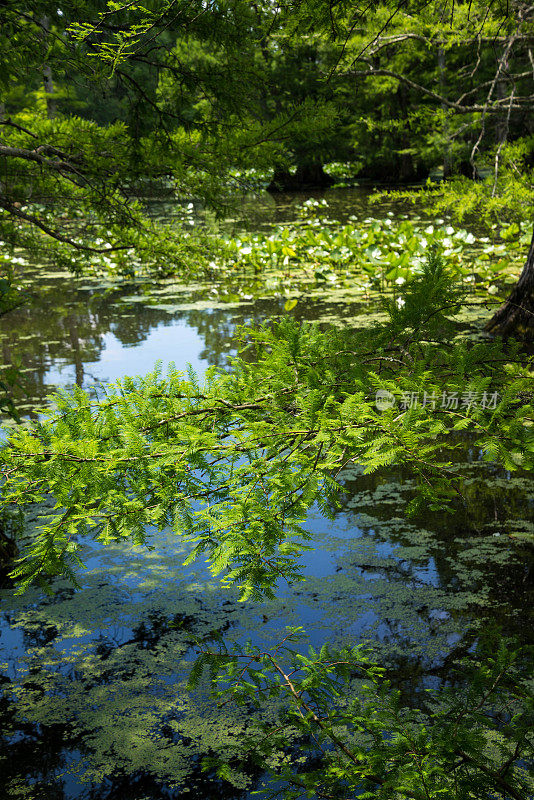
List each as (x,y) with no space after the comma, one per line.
(98,104)
(360,738)
(70,163)
(236,463)
(103,104)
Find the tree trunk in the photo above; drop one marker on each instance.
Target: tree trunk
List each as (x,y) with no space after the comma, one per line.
(280,181)
(48,81)
(516,316)
(307,176)
(313,176)
(447,160)
(2,118)
(8,548)
(75,344)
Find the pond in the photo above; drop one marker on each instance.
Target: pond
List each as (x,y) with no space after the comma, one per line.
(95,703)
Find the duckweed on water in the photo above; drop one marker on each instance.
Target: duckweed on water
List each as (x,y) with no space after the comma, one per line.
(98,677)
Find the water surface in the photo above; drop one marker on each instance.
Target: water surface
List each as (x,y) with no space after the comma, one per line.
(95,704)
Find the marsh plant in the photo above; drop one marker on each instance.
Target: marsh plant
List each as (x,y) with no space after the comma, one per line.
(364,254)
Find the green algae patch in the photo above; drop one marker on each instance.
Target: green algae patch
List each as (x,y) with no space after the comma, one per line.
(115,670)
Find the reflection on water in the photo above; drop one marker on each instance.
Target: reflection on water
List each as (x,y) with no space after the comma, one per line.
(164,343)
(261,211)
(95,704)
(84,332)
(67,334)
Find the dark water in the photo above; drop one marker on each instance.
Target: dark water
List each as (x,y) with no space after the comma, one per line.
(95,704)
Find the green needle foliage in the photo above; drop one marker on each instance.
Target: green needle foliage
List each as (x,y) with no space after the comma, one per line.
(358,738)
(235,464)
